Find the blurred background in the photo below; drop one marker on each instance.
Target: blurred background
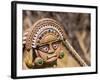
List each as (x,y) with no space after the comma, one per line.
(76,25)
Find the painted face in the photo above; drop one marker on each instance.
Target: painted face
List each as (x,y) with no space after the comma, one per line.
(45,38)
(49,48)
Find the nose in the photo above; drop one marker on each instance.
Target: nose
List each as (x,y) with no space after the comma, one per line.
(51,50)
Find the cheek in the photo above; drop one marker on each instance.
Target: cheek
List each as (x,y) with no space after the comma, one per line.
(57,51)
(60,51)
(43,55)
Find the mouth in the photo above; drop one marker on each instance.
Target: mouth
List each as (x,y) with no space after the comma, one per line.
(51,58)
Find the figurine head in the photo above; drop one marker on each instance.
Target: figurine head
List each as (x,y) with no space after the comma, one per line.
(46,39)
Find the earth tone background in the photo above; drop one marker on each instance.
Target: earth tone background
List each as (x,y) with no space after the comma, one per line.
(77,27)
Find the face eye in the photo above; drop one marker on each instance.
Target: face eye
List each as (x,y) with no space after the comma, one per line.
(55,45)
(44,48)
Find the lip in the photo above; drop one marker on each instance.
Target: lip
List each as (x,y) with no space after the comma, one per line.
(51,58)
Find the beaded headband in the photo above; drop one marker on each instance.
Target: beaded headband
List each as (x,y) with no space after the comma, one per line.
(42,27)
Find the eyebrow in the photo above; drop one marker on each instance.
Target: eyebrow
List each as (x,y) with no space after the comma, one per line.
(43,44)
(56,41)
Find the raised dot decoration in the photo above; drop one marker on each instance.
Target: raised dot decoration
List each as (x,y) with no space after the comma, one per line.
(61,55)
(39,61)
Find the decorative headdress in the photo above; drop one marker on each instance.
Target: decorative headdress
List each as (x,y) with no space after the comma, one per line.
(42,27)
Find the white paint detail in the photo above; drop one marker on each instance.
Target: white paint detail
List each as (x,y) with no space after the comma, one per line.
(41,30)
